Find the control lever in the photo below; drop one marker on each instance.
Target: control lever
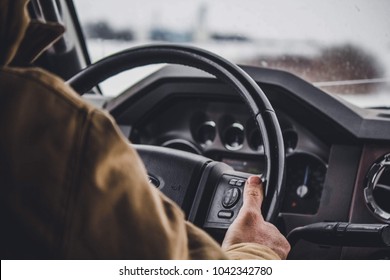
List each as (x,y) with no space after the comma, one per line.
(343,234)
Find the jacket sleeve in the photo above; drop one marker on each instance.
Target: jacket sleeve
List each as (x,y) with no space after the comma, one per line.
(116,213)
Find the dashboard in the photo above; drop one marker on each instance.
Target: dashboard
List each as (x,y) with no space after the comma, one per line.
(330,145)
(223,130)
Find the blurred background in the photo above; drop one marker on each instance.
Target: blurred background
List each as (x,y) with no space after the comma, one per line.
(343,47)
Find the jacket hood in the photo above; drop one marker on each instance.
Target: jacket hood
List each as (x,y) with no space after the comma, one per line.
(22,39)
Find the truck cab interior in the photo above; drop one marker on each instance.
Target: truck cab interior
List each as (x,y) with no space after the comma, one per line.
(209,95)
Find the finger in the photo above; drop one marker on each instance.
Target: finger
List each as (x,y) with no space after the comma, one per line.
(253,193)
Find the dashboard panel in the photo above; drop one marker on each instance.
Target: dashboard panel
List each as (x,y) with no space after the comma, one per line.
(223,130)
(329,144)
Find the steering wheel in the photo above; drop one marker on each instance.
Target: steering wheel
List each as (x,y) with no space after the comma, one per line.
(185,177)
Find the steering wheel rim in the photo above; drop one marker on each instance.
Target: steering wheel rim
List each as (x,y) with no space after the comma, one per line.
(259,105)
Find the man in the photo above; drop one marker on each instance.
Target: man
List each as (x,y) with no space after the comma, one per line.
(72,187)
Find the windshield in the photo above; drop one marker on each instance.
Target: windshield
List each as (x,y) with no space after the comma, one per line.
(343,47)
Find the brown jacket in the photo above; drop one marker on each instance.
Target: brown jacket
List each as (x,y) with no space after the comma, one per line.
(71,186)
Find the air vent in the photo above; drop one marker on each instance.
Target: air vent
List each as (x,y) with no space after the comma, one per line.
(377,190)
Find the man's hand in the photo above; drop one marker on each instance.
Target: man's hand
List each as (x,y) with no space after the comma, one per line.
(249,226)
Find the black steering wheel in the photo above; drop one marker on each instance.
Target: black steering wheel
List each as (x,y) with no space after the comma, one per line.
(185,177)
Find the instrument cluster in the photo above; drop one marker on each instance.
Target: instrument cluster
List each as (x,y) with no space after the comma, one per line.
(226,132)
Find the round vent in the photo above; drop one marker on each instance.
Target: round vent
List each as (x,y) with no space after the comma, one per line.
(377,189)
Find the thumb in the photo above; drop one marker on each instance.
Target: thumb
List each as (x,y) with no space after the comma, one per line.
(253,193)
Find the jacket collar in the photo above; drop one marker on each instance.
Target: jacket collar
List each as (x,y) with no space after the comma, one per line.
(22,39)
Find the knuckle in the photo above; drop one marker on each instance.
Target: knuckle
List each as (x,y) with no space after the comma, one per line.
(253,192)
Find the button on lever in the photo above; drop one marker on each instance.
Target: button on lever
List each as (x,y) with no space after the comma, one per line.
(231,197)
